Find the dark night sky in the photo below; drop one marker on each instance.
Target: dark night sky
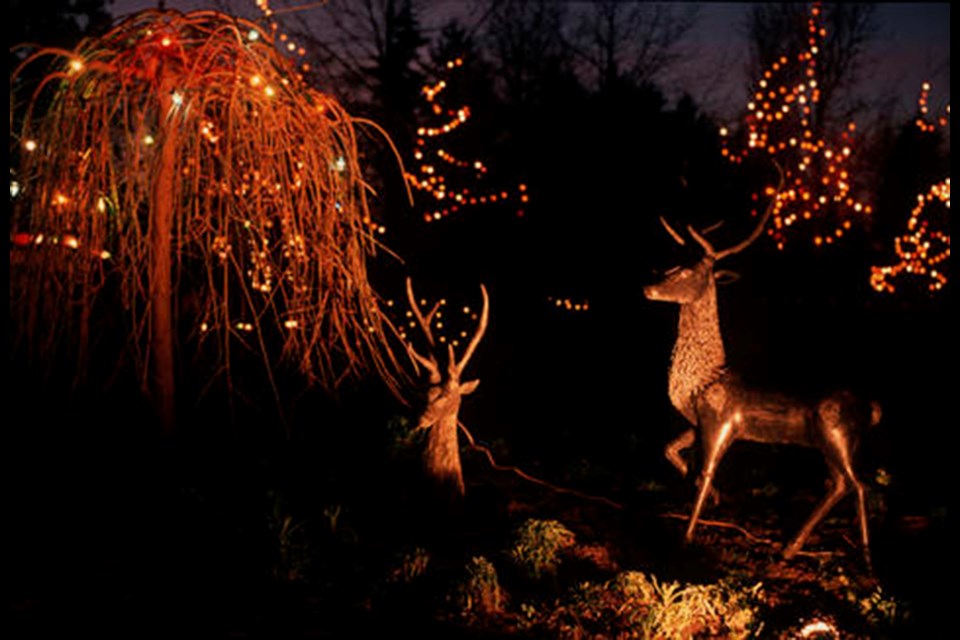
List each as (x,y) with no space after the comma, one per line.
(912,46)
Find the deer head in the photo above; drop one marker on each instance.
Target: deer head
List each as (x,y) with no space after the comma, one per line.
(439,417)
(442,366)
(684,285)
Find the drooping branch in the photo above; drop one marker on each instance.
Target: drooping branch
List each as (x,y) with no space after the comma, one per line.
(270,238)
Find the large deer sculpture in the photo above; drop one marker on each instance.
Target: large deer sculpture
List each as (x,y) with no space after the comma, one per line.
(444,392)
(712,398)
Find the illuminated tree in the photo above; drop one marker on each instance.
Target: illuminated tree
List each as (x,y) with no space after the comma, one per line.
(924,248)
(182,163)
(788,120)
(443,176)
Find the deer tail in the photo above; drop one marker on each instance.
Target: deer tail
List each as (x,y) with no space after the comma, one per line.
(875,413)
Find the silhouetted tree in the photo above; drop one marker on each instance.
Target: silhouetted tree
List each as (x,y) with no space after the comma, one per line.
(633,42)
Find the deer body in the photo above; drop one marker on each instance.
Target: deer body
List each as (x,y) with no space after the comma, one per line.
(724,410)
(439,417)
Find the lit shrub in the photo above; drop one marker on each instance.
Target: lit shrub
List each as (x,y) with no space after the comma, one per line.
(412,565)
(538,544)
(479,594)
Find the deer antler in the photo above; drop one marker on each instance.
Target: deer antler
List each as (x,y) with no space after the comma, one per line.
(475,340)
(673,234)
(430,364)
(743,244)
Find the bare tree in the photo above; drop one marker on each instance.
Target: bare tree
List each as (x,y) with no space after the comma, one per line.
(368,49)
(528,46)
(632,41)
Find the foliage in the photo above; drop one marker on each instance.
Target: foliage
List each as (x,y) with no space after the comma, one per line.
(479,594)
(634,605)
(293,555)
(401,434)
(882,609)
(537,545)
(412,566)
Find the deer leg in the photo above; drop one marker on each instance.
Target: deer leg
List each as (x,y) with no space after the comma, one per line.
(676,446)
(714,447)
(673,451)
(862,516)
(840,444)
(847,468)
(840,488)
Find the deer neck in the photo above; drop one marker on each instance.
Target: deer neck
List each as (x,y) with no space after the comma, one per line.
(698,357)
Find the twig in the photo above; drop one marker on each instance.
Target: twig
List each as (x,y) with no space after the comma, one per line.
(729,525)
(721,524)
(526,476)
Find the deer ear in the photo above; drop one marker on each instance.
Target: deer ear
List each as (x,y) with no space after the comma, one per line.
(469,387)
(725,276)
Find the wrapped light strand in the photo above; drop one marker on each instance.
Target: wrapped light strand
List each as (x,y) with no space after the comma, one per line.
(569,304)
(923,250)
(924,121)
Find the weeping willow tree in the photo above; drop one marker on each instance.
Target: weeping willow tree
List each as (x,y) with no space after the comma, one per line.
(180,163)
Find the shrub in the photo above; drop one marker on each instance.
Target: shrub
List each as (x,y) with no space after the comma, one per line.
(479,594)
(537,545)
(634,605)
(411,566)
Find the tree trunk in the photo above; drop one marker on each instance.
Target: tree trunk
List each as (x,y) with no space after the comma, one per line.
(161,231)
(442,457)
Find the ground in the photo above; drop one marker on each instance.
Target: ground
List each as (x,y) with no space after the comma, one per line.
(136,537)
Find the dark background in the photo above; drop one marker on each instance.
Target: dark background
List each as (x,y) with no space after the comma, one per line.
(112,522)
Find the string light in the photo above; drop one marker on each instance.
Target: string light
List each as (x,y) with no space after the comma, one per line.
(432,178)
(289,45)
(68,240)
(451,326)
(568,304)
(818,177)
(924,248)
(923,106)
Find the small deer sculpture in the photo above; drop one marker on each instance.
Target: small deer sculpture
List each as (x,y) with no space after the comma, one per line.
(712,398)
(444,392)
